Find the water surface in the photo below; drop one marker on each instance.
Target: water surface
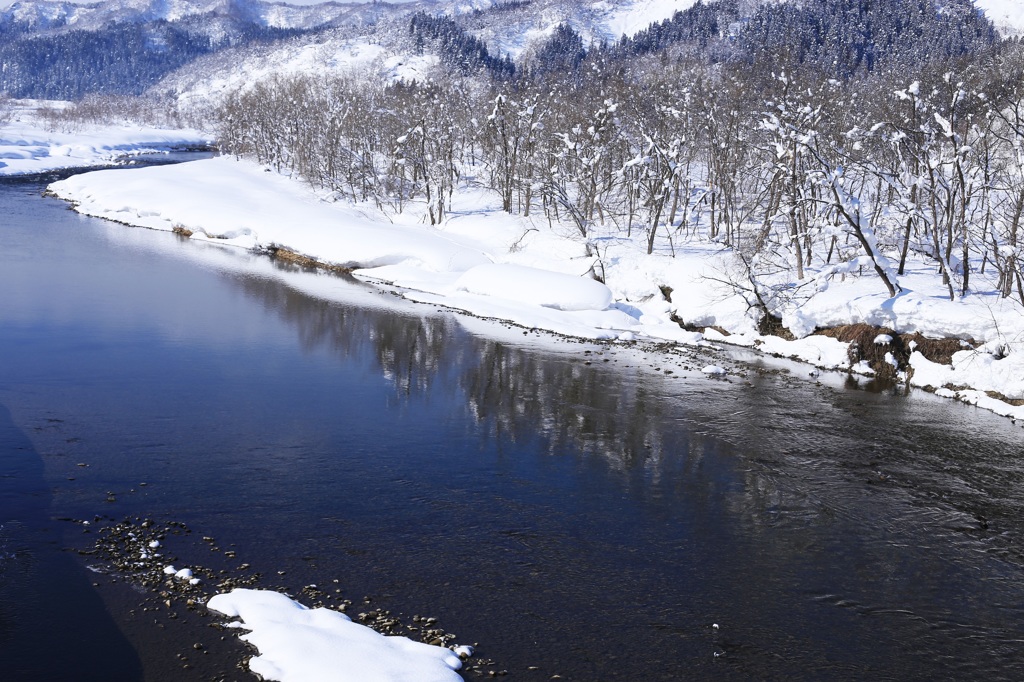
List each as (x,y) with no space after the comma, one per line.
(571,508)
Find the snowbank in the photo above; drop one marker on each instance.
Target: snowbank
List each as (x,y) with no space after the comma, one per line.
(245,205)
(297,644)
(628,19)
(27,147)
(534,286)
(240,203)
(1007,15)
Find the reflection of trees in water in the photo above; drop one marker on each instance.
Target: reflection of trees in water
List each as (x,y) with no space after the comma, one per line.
(412,351)
(516,392)
(409,350)
(781,438)
(752,491)
(650,431)
(521,393)
(631,419)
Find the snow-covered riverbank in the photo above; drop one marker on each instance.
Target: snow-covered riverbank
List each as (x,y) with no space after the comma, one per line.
(28,146)
(524,270)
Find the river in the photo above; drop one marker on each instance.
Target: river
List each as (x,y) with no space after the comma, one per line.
(588,511)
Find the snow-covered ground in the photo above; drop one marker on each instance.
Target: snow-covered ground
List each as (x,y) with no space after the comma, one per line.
(338,56)
(297,644)
(28,147)
(1007,15)
(629,18)
(491,264)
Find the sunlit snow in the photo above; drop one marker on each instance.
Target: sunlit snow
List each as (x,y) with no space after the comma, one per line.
(297,644)
(1007,15)
(27,147)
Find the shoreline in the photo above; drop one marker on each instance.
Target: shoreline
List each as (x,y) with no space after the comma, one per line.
(241,204)
(885,376)
(169,620)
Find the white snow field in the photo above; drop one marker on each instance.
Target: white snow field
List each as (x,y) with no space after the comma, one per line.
(629,18)
(1007,15)
(341,57)
(27,147)
(491,264)
(297,644)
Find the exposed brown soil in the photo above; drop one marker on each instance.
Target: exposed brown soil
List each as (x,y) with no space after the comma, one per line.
(996,395)
(287,255)
(861,338)
(937,350)
(772,326)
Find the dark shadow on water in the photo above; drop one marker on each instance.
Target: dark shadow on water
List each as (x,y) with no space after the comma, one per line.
(53,625)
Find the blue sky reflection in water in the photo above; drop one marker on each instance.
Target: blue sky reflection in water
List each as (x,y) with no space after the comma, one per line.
(592,520)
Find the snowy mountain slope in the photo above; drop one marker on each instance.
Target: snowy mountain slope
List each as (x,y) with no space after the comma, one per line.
(515,28)
(43,15)
(208,79)
(510,26)
(507,28)
(611,19)
(522,23)
(1007,15)
(62,50)
(627,18)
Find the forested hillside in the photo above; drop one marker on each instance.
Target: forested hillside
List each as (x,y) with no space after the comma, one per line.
(63,50)
(817,140)
(121,59)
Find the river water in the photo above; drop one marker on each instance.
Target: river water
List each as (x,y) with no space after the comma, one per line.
(598,513)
